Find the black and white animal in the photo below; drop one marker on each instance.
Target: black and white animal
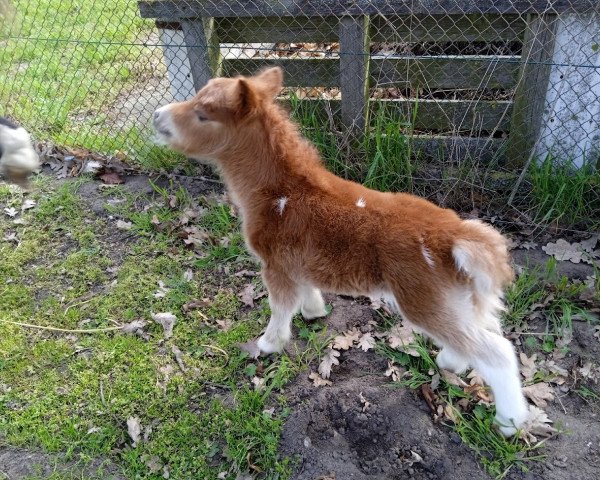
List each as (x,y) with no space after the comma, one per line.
(18,158)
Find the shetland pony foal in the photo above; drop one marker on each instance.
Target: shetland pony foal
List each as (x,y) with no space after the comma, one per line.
(314,231)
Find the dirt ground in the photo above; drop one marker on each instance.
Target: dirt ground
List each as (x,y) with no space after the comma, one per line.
(334,434)
(336,439)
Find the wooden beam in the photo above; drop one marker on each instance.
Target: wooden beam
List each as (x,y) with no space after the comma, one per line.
(446,28)
(383,28)
(538,48)
(403,72)
(174,9)
(202,49)
(445,116)
(354,64)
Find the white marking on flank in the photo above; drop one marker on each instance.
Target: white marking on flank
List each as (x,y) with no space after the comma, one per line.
(281,204)
(427,254)
(361,203)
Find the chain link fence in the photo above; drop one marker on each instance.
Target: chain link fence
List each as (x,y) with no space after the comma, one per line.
(471,103)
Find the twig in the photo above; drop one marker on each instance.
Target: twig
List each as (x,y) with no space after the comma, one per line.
(218,349)
(63,330)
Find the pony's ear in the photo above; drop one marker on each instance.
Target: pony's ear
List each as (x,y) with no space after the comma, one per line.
(247,99)
(270,81)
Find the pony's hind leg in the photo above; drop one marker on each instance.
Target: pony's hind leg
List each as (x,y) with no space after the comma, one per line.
(312,304)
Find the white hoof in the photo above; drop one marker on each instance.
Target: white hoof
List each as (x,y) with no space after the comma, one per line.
(314,312)
(509,426)
(268,346)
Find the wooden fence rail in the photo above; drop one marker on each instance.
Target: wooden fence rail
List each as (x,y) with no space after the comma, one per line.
(208,24)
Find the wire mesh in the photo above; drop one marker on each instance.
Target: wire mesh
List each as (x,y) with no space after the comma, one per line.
(450,99)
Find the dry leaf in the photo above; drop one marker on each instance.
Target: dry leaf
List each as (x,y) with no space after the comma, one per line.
(329,359)
(366,342)
(574,252)
(162,290)
(538,393)
(188,275)
(250,347)
(475,378)
(259,383)
(319,381)
(528,367)
(247,295)
(453,379)
(134,429)
(122,225)
(400,337)
(345,341)
(133,327)
(225,324)
(27,204)
(528,245)
(365,403)
(111,178)
(538,424)
(11,212)
(167,321)
(394,371)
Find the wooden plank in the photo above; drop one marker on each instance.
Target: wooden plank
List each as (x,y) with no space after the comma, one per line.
(448,116)
(278,29)
(354,65)
(298,72)
(538,49)
(452,148)
(403,72)
(446,28)
(445,72)
(200,44)
(173,9)
(384,28)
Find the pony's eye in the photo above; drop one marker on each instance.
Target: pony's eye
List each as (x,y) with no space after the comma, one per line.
(201,117)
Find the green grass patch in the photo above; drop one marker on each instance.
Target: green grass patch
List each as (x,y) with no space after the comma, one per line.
(74,393)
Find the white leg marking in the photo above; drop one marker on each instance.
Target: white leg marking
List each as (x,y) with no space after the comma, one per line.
(279,330)
(312,303)
(361,203)
(500,370)
(450,359)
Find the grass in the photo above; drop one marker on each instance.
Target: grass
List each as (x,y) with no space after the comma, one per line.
(67,69)
(565,194)
(555,298)
(475,426)
(73,394)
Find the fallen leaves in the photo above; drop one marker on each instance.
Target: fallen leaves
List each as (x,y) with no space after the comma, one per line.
(574,252)
(539,393)
(528,366)
(329,359)
(134,429)
(537,425)
(366,342)
(123,225)
(401,337)
(247,295)
(346,340)
(11,211)
(167,321)
(319,381)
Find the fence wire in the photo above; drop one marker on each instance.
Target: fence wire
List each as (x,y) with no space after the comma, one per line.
(466,102)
